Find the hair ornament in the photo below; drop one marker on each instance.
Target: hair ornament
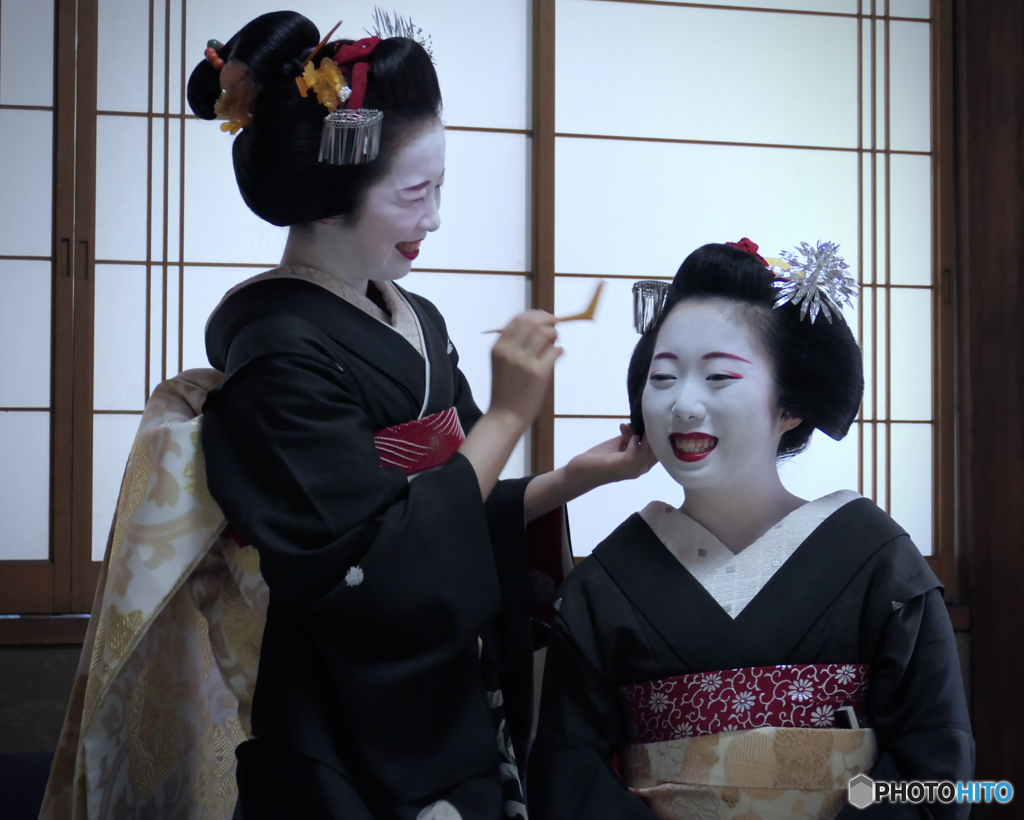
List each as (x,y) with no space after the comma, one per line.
(749,247)
(327,82)
(236,105)
(213,48)
(649,297)
(385,27)
(816,279)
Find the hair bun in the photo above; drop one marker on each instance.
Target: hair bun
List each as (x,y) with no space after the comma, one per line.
(266,45)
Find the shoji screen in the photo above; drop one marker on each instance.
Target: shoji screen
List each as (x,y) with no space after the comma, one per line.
(173,234)
(682,123)
(26,241)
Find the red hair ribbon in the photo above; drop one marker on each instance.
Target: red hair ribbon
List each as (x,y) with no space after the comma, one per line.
(750,247)
(353,59)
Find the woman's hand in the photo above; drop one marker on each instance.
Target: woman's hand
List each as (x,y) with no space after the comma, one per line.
(617,459)
(522,362)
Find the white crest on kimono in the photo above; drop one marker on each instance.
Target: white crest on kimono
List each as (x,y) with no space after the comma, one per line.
(439,810)
(897,605)
(495,699)
(354,576)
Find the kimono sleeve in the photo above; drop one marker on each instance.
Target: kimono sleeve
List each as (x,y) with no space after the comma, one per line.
(918,708)
(582,721)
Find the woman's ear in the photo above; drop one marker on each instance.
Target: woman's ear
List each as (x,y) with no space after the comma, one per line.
(789,422)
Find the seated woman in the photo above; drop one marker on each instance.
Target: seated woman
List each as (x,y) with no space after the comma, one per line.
(748,653)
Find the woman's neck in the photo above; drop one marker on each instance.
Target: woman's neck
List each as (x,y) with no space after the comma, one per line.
(740,514)
(315,246)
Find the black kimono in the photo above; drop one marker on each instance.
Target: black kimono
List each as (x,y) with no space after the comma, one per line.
(390,598)
(855,591)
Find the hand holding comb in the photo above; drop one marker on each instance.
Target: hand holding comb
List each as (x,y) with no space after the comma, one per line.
(587,313)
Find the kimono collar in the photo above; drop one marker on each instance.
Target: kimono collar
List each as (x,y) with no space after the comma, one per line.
(402,320)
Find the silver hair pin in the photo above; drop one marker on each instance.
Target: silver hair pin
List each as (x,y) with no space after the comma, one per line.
(350,137)
(816,279)
(648,301)
(385,27)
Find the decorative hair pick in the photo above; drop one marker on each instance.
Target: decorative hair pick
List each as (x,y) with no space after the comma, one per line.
(385,28)
(585,315)
(816,280)
(648,300)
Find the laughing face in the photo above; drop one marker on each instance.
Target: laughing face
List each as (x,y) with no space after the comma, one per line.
(709,405)
(400,210)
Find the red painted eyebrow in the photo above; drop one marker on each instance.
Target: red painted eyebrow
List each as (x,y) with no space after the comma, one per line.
(665,356)
(717,354)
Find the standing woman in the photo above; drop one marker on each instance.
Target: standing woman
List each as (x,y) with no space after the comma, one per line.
(748,653)
(394,678)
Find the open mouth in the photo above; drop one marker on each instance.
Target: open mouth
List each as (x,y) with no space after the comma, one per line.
(692,446)
(410,250)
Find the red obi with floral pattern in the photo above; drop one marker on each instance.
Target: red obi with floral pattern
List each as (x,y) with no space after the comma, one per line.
(420,444)
(707,703)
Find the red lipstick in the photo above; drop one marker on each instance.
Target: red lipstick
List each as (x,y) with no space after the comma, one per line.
(410,250)
(691,447)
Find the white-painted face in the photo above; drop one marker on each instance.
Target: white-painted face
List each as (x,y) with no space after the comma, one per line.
(709,404)
(399,211)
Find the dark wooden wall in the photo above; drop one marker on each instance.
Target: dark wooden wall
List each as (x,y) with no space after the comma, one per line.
(989,37)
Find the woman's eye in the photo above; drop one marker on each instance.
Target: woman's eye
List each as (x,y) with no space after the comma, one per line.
(662,377)
(721,377)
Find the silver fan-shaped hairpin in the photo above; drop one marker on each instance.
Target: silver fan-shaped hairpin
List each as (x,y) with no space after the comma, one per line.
(815,279)
(648,301)
(395,25)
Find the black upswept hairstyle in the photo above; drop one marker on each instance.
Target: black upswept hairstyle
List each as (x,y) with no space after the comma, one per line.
(818,371)
(277,157)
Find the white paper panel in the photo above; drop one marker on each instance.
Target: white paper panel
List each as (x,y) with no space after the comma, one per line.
(868,268)
(112,437)
(911,355)
(25,486)
(25,332)
(485,205)
(121,147)
(910,86)
(122,81)
(594,515)
(867,122)
(707,74)
(874,303)
(867,444)
(881,271)
(481,50)
(26,52)
(910,8)
(174,220)
(218,225)
(882,459)
(173,331)
(880,81)
(912,482)
(675,198)
(824,467)
(910,198)
(177,104)
(26,166)
(156,314)
(204,288)
(865,305)
(119,377)
(590,378)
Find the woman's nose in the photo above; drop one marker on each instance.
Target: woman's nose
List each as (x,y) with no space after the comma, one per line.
(689,405)
(431,220)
